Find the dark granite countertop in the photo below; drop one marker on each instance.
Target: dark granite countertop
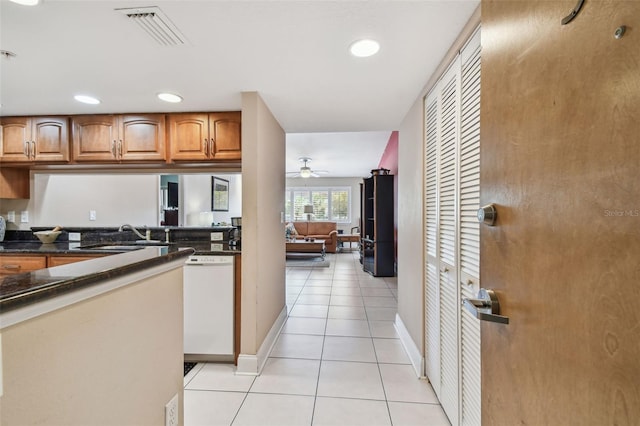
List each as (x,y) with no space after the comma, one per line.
(126,257)
(79,248)
(23,289)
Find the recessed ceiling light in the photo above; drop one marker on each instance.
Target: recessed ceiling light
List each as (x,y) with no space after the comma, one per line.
(365,47)
(170,97)
(87,99)
(27,2)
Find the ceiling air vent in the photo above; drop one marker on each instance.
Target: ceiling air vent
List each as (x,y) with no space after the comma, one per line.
(155,23)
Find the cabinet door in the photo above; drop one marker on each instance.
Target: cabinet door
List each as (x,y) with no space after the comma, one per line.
(51,137)
(95,138)
(226,141)
(14,137)
(10,265)
(189,136)
(142,137)
(57,260)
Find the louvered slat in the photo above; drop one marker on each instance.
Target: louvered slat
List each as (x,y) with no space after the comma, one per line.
(431,293)
(469,199)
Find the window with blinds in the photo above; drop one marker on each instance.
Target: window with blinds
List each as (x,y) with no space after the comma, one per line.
(330,204)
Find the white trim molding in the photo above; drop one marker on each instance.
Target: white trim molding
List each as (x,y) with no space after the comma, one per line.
(251,365)
(416,358)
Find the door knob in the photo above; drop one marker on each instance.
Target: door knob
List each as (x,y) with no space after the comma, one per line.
(486,307)
(487,214)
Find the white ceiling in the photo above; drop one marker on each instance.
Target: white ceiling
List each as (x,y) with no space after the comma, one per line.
(294,53)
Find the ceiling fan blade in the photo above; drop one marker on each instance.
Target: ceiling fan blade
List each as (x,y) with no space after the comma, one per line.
(314,174)
(321,172)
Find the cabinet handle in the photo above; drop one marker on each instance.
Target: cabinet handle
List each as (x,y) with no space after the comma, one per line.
(206,147)
(211,146)
(27,149)
(33,149)
(113,148)
(120,148)
(11,267)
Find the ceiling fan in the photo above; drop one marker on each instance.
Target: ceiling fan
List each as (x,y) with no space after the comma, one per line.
(305,170)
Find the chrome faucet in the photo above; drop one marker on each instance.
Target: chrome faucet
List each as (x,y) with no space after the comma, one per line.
(147,237)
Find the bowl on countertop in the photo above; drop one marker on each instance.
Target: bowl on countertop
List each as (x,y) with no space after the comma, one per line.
(47,237)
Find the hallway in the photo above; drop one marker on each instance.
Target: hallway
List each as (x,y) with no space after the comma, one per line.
(338,361)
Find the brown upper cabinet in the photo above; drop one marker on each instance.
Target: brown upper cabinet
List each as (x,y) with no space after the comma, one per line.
(205,136)
(34,139)
(116,138)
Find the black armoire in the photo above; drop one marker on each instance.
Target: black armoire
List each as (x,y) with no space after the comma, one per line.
(377,252)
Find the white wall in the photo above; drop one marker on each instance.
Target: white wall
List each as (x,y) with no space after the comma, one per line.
(65,199)
(411,202)
(263,256)
(353,183)
(195,196)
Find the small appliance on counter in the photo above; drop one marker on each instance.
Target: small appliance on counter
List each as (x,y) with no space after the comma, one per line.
(235,235)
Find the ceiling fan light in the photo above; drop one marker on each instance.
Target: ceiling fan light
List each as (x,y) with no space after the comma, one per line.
(305,172)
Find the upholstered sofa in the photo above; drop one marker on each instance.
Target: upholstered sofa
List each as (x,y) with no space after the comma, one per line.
(327,231)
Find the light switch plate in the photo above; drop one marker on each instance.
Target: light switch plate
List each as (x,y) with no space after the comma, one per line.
(11,216)
(24,216)
(217,236)
(74,236)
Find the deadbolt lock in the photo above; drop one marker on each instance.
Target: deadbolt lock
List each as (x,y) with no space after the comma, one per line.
(487,215)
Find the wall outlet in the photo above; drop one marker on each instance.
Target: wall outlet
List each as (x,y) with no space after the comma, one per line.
(74,236)
(11,216)
(171,412)
(217,236)
(24,216)
(92,215)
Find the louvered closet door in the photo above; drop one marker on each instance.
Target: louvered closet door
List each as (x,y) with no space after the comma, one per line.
(447,236)
(452,238)
(469,196)
(432,283)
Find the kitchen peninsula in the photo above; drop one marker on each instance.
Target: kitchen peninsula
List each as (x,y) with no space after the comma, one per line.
(85,331)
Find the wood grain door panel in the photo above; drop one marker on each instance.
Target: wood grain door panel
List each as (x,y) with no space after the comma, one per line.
(15,133)
(143,137)
(95,138)
(561,160)
(225,129)
(51,137)
(189,136)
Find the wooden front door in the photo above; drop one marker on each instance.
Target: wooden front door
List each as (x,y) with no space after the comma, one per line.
(560,158)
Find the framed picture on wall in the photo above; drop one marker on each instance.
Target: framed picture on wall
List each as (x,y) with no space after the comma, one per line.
(219,194)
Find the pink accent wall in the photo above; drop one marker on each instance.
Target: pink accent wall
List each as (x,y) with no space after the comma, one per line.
(389,158)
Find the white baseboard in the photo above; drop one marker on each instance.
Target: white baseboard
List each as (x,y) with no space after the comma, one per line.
(415,356)
(251,365)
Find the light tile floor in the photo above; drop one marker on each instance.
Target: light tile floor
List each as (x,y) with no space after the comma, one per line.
(338,361)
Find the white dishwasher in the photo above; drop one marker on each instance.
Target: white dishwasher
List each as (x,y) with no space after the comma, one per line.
(208,307)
